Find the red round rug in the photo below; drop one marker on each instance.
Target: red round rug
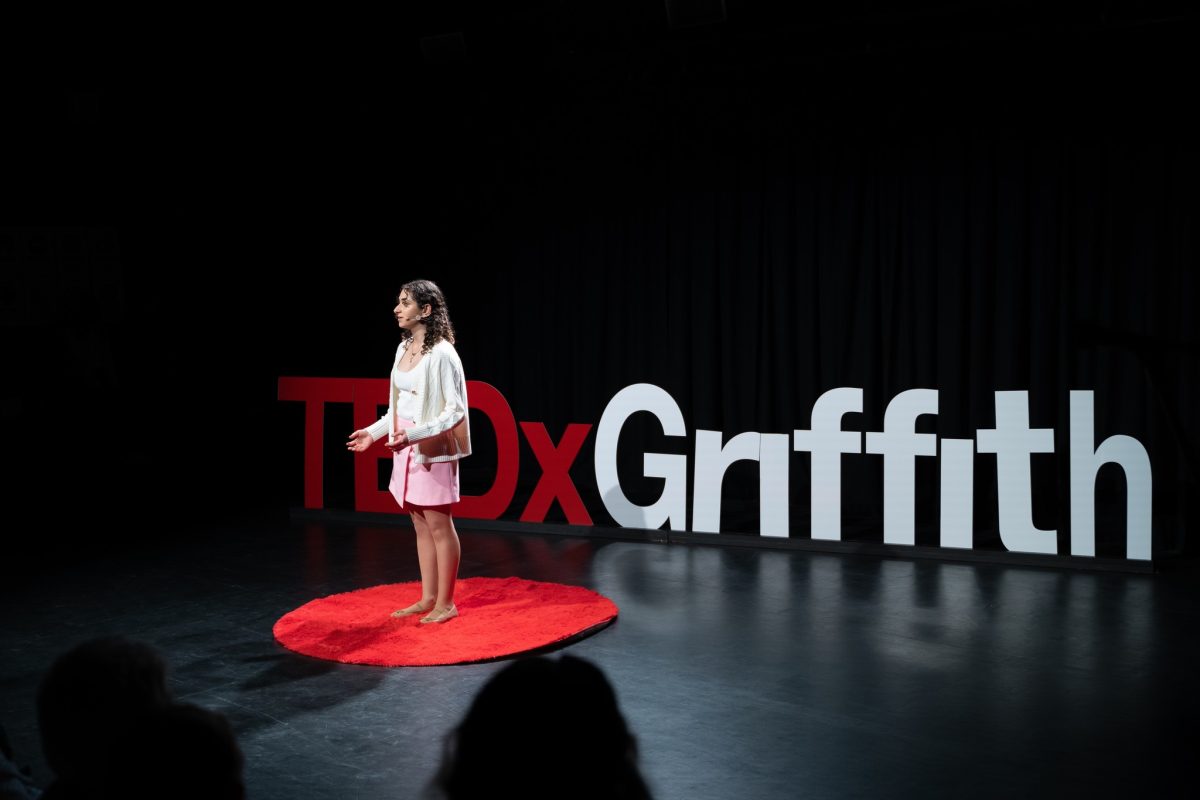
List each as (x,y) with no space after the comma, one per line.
(498,617)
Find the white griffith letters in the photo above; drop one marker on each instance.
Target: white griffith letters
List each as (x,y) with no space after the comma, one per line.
(1012,441)
(770,450)
(827,441)
(1086,462)
(899,444)
(672,505)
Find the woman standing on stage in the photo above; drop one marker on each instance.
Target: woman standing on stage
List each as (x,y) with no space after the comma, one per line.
(428,431)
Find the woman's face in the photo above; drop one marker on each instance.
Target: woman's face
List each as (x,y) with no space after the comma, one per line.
(408,314)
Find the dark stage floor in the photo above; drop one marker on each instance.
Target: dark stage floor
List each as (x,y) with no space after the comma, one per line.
(744,672)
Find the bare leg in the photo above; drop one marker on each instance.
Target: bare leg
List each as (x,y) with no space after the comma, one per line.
(449,553)
(427,558)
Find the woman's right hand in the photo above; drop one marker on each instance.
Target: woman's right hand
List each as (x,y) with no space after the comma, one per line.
(360,441)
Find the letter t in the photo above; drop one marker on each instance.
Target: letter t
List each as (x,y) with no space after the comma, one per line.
(1013,442)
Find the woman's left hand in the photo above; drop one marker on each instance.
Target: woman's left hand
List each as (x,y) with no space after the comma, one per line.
(398,441)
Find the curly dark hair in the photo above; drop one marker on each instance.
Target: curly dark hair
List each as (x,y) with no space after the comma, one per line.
(437,324)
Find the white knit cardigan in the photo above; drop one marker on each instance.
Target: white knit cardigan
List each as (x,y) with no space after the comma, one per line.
(442,431)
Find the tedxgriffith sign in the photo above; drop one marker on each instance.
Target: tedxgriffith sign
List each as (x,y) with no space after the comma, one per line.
(1012,442)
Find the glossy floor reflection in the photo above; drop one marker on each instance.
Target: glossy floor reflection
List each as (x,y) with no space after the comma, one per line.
(744,672)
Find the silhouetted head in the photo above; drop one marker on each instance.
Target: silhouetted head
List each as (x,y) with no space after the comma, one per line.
(183,752)
(88,698)
(543,728)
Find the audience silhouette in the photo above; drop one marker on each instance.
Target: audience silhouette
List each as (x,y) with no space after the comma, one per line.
(543,728)
(87,702)
(180,751)
(110,730)
(539,728)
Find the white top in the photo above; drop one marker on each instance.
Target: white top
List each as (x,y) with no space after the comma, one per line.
(407,406)
(443,430)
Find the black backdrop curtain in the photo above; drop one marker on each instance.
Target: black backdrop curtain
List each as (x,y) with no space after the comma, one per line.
(747,241)
(744,217)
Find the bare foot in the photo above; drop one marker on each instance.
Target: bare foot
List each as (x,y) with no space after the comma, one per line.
(441,614)
(419,607)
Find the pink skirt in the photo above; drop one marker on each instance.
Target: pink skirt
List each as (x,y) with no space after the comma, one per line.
(428,484)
